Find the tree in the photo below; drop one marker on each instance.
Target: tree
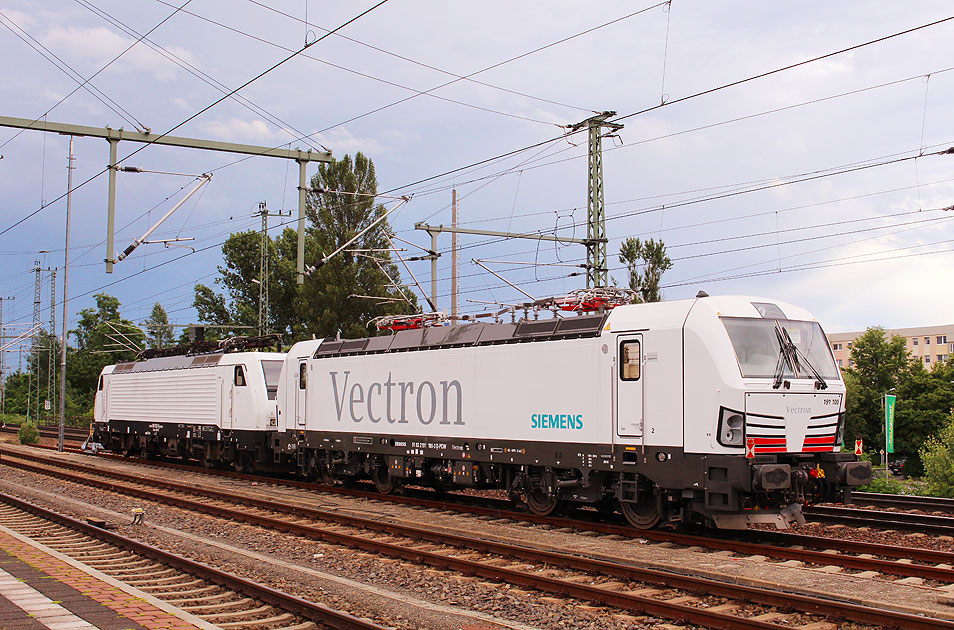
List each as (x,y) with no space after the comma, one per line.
(925,399)
(876,367)
(212,310)
(102,337)
(158,331)
(652,257)
(15,393)
(937,454)
(342,207)
(239,277)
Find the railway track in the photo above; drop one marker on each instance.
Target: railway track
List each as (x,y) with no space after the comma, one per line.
(681,597)
(205,592)
(904,501)
(74,434)
(904,521)
(783,546)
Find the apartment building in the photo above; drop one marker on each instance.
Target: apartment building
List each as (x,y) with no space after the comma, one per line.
(929,344)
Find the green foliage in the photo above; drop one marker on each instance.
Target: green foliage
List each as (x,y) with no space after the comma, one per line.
(323,306)
(651,256)
(15,394)
(937,455)
(212,309)
(336,216)
(877,364)
(102,337)
(239,306)
(28,433)
(885,486)
(925,398)
(913,467)
(159,333)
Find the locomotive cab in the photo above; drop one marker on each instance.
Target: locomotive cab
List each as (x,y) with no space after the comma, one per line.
(775,408)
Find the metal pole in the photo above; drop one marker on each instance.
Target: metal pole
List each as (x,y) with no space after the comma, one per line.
(454,288)
(302,184)
(596,220)
(66,286)
(110,203)
(3,374)
(434,269)
(884,404)
(50,357)
(35,347)
(262,261)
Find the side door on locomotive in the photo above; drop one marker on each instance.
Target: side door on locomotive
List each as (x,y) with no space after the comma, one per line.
(628,383)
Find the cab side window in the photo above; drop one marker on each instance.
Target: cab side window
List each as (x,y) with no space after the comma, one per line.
(629,360)
(100,388)
(302,367)
(239,376)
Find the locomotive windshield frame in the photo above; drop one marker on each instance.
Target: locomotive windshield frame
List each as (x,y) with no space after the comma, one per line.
(757,348)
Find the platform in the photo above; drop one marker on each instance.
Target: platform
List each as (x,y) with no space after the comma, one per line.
(42,589)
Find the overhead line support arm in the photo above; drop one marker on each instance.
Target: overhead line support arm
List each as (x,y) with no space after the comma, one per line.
(113,136)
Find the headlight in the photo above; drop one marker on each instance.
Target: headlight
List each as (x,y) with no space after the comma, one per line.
(731,428)
(840,433)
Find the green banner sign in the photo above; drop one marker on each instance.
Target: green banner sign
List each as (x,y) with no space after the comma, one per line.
(889,422)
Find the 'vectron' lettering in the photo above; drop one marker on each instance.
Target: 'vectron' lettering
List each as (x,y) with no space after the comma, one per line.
(358,398)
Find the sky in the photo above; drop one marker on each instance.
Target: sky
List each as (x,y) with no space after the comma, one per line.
(818,184)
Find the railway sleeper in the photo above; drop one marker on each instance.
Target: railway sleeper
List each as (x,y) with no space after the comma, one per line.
(205,610)
(197,594)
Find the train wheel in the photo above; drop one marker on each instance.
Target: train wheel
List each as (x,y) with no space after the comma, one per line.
(383,480)
(541,503)
(642,515)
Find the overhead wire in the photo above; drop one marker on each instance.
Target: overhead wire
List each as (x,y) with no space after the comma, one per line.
(365,75)
(929,222)
(765,74)
(469,79)
(740,190)
(682,99)
(792,66)
(152,141)
(67,69)
(430,91)
(98,72)
(501,63)
(636,143)
(195,71)
(282,224)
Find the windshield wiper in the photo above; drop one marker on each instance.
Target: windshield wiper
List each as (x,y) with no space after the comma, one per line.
(797,354)
(783,358)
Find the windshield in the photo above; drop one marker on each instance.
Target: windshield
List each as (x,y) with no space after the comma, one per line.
(272,371)
(757,347)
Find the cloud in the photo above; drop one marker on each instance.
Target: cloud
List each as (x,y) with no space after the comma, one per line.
(182,104)
(97,45)
(23,20)
(240,130)
(341,141)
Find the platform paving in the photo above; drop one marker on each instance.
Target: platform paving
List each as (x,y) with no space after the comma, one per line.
(42,589)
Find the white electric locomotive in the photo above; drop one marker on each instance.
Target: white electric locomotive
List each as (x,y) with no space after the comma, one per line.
(723,409)
(216,408)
